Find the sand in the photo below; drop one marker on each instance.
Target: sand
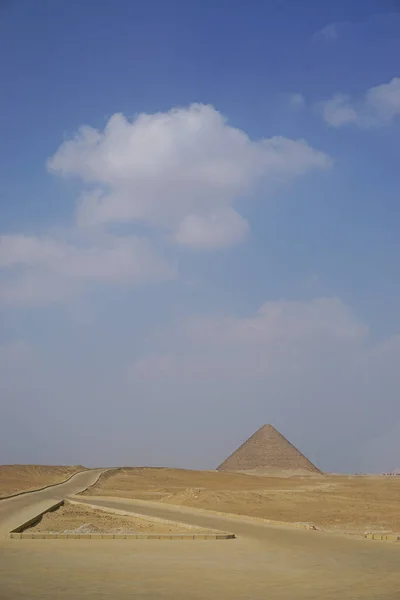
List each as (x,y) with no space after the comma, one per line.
(352,504)
(73,518)
(277,563)
(21,478)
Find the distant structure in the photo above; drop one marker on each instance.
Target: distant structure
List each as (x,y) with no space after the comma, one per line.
(267,449)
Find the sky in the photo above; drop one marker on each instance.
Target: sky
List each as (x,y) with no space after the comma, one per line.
(199,230)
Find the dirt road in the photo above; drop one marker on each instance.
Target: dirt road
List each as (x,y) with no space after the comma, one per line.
(278,563)
(24,478)
(281,562)
(352,504)
(14,511)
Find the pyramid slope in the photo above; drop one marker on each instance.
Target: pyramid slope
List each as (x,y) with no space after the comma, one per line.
(267,449)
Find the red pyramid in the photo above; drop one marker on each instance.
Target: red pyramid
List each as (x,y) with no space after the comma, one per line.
(267,449)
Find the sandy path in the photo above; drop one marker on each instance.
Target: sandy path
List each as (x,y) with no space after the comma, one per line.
(264,562)
(20,478)
(14,511)
(331,502)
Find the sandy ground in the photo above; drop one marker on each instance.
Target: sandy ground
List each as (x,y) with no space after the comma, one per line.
(278,563)
(278,566)
(20,478)
(81,519)
(353,504)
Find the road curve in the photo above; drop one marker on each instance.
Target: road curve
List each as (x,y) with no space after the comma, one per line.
(346,561)
(17,510)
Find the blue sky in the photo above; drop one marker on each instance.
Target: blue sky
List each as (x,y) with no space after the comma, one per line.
(227,245)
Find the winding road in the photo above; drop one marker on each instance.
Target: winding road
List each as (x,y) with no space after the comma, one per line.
(278,563)
(15,511)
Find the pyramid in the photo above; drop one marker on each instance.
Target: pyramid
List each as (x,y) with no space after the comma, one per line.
(267,449)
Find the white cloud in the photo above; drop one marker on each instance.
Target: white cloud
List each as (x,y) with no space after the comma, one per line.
(180,171)
(219,229)
(383,101)
(283,320)
(379,106)
(338,111)
(37,270)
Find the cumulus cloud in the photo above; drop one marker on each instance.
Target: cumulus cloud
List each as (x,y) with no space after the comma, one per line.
(219,229)
(41,269)
(308,366)
(179,171)
(174,175)
(378,107)
(338,111)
